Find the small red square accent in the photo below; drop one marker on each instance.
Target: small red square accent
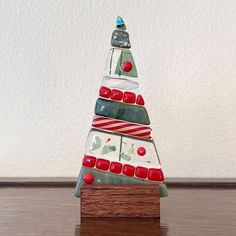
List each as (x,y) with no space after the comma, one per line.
(116,94)
(155,174)
(128,170)
(140,100)
(129,97)
(105,92)
(89,161)
(102,164)
(116,167)
(141,172)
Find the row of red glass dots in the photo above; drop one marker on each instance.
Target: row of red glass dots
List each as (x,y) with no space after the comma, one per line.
(128,170)
(117,95)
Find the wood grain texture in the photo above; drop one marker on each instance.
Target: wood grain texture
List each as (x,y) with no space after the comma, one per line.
(132,200)
(55,212)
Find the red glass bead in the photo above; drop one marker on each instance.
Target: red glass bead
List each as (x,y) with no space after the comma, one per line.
(129,97)
(155,174)
(141,172)
(88,178)
(89,161)
(105,92)
(116,167)
(140,100)
(102,164)
(116,95)
(141,151)
(128,170)
(127,66)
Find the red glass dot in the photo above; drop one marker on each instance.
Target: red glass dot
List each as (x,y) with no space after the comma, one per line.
(127,66)
(141,151)
(88,178)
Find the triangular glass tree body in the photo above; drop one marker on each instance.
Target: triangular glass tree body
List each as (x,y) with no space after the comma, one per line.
(119,148)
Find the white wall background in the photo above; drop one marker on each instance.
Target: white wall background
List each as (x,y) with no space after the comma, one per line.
(52,58)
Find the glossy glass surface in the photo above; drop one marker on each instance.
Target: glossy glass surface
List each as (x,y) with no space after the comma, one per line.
(115,60)
(120,148)
(101,177)
(122,111)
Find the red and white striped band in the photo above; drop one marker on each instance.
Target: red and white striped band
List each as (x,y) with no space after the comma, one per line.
(120,126)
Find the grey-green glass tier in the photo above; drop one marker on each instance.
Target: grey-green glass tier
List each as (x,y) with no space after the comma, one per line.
(126,56)
(120,38)
(101,177)
(122,111)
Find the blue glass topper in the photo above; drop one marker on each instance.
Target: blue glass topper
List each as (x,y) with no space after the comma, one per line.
(119,22)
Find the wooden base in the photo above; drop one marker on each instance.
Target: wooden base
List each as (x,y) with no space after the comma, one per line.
(132,200)
(121,227)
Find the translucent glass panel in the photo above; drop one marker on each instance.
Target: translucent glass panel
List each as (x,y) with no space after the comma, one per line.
(124,149)
(115,60)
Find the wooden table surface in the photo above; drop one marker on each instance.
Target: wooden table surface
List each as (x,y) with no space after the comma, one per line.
(55,211)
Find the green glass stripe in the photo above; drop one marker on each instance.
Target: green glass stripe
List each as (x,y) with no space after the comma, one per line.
(121,137)
(120,63)
(104,177)
(122,111)
(111,60)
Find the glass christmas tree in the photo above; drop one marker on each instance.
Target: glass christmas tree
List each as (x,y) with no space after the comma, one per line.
(119,148)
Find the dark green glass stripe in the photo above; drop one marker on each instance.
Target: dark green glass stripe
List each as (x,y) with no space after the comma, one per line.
(122,111)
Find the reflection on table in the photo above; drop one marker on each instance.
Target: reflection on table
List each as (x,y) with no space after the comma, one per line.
(120,226)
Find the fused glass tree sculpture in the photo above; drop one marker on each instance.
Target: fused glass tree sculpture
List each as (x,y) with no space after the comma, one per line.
(119,147)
